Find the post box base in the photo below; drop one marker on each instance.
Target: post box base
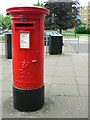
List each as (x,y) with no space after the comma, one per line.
(28,100)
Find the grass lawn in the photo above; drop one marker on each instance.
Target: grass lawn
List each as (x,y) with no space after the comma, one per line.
(73,34)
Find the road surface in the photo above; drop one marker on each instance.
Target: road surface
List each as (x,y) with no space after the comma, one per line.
(79,45)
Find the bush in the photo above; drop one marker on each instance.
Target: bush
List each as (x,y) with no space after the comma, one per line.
(87,31)
(81,29)
(2,38)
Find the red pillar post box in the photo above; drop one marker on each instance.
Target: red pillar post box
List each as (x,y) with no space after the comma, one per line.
(28,57)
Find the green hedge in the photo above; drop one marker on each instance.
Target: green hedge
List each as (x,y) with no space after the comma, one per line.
(87,31)
(82,29)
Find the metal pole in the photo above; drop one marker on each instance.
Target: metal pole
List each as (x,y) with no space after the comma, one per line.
(78,46)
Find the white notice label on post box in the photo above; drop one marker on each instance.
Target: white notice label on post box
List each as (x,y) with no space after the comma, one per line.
(24,40)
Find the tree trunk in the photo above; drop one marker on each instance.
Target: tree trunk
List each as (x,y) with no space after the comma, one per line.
(60,31)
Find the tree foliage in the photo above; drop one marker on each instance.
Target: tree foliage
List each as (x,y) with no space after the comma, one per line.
(63,15)
(39,4)
(5,21)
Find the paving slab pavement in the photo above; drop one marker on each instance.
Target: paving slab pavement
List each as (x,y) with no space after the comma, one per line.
(66,87)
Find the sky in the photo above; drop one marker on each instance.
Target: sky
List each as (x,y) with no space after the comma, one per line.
(4,4)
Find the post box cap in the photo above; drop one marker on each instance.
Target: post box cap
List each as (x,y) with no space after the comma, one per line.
(26,9)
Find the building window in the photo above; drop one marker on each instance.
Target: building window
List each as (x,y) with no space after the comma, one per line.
(85,7)
(85,13)
(85,19)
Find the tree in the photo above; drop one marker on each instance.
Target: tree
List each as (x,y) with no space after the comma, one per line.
(6,22)
(63,15)
(39,4)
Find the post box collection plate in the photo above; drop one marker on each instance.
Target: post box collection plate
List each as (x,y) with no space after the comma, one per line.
(24,40)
